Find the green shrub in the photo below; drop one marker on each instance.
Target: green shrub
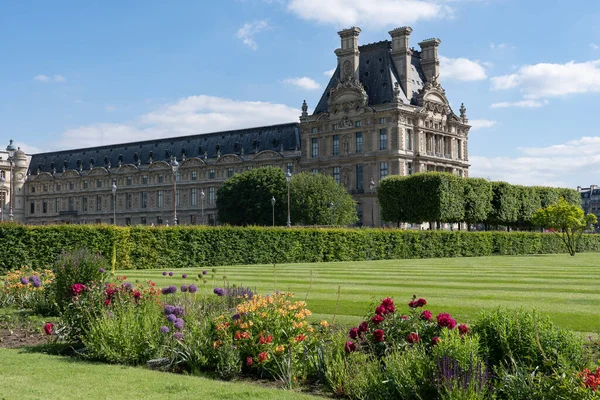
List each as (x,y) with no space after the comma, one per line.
(410,374)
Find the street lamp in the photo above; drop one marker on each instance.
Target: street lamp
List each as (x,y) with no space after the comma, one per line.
(331,209)
(202,196)
(174,167)
(273,206)
(372,188)
(114,193)
(2,197)
(11,152)
(288,178)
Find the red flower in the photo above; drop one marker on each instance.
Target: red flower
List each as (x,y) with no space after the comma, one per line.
(444,320)
(381,310)
(435,340)
(77,288)
(354,332)
(404,317)
(137,294)
(262,357)
(48,328)
(463,329)
(426,315)
(421,302)
(413,338)
(269,339)
(349,347)
(300,338)
(262,340)
(377,319)
(363,327)
(249,361)
(412,304)
(107,302)
(378,335)
(237,335)
(388,303)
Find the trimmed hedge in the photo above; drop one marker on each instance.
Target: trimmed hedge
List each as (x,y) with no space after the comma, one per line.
(178,247)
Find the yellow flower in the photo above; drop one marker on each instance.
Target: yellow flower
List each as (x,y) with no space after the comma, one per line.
(279,349)
(324,324)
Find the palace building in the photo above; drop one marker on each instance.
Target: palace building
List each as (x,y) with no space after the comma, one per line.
(384,112)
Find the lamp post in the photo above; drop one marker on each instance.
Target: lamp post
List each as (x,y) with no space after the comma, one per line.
(174,167)
(2,197)
(288,178)
(372,188)
(114,193)
(273,206)
(11,152)
(202,196)
(331,209)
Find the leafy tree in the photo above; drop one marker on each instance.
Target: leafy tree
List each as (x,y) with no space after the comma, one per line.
(565,220)
(311,196)
(505,204)
(478,200)
(389,196)
(530,202)
(245,199)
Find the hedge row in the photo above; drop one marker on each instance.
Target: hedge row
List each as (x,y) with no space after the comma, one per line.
(178,247)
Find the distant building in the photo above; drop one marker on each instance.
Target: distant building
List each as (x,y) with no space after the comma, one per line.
(590,199)
(384,112)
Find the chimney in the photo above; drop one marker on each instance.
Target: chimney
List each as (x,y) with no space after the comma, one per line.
(430,63)
(348,54)
(401,54)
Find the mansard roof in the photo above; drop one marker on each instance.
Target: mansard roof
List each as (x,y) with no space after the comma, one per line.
(377,73)
(283,137)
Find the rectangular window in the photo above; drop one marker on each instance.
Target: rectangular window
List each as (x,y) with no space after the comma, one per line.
(177,198)
(359,177)
(194,196)
(145,179)
(336,174)
(382,120)
(71,185)
(143,220)
(160,199)
(128,221)
(129,181)
(458,149)
(409,168)
(178,176)
(211,195)
(314,130)
(383,139)
(334,127)
(383,170)
(193,219)
(85,184)
(290,168)
(45,207)
(99,183)
(357,124)
(158,220)
(211,174)
(161,179)
(315,170)
(336,145)
(84,203)
(409,140)
(194,175)
(32,189)
(144,199)
(45,187)
(359,142)
(71,204)
(314,142)
(229,172)
(57,205)
(31,208)
(98,203)
(58,187)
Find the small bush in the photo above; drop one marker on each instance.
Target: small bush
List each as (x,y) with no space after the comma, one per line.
(410,374)
(27,288)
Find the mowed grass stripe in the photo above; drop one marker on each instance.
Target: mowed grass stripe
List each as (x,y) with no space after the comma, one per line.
(561,286)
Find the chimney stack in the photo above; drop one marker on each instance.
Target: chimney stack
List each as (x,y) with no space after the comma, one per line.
(430,63)
(348,54)
(401,54)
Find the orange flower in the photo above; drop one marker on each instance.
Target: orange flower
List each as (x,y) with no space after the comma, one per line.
(300,338)
(269,339)
(262,357)
(245,335)
(238,335)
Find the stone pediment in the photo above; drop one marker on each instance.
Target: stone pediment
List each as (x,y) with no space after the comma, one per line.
(43,176)
(267,155)
(193,162)
(347,95)
(70,174)
(123,169)
(230,159)
(433,96)
(98,171)
(159,165)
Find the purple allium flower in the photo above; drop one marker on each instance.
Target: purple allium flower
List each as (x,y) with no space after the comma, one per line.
(24,280)
(184,276)
(35,281)
(219,291)
(172,289)
(164,329)
(171,318)
(101,270)
(235,316)
(178,335)
(170,273)
(192,288)
(164,273)
(164,290)
(179,311)
(169,309)
(184,288)
(128,285)
(204,272)
(178,324)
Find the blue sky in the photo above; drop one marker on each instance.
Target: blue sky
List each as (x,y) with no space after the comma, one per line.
(82,73)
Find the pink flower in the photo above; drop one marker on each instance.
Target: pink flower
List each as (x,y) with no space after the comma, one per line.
(363,327)
(404,317)
(48,328)
(444,320)
(381,310)
(435,340)
(349,347)
(388,303)
(413,338)
(426,315)
(249,361)
(353,333)
(378,335)
(377,319)
(77,288)
(463,329)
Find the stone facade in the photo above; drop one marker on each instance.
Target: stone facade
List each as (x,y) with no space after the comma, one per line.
(383,113)
(590,200)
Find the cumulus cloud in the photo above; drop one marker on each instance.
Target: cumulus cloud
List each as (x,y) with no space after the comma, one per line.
(461,69)
(304,83)
(247,32)
(376,13)
(477,124)
(552,80)
(187,116)
(329,72)
(48,78)
(594,46)
(520,104)
(569,164)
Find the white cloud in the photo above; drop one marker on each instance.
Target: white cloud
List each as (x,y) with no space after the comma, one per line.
(552,80)
(46,78)
(249,30)
(376,13)
(594,46)
(329,73)
(569,164)
(461,69)
(520,104)
(501,46)
(304,83)
(477,124)
(187,116)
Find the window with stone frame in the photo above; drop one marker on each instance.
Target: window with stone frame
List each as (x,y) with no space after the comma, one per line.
(194,196)
(160,199)
(314,145)
(336,174)
(359,142)
(144,199)
(409,140)
(336,145)
(383,139)
(359,177)
(211,195)
(383,170)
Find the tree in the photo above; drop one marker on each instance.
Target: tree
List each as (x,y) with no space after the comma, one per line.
(478,200)
(311,198)
(245,199)
(505,205)
(389,197)
(566,221)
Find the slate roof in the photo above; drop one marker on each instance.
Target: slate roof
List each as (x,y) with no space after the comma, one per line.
(377,73)
(283,137)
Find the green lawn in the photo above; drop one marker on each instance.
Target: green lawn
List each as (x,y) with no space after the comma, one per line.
(39,376)
(564,287)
